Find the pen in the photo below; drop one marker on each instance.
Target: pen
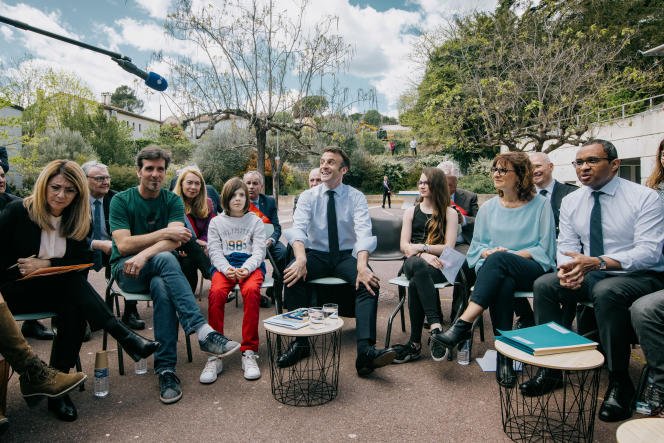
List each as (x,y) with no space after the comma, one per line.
(16,264)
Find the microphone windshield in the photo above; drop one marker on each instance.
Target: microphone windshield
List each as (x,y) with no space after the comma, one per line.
(156,81)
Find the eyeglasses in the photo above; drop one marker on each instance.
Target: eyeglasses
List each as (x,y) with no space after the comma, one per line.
(422,183)
(100,178)
(56,189)
(592,161)
(501,171)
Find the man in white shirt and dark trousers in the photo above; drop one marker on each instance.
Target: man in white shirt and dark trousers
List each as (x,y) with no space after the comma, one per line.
(331,237)
(619,226)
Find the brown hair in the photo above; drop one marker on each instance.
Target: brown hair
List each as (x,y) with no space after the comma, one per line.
(198,205)
(657,174)
(232,185)
(519,161)
(440,199)
(152,152)
(76,217)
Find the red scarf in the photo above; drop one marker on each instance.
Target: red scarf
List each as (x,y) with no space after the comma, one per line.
(253,208)
(459,208)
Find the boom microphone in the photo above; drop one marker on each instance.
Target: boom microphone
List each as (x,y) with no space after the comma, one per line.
(152,79)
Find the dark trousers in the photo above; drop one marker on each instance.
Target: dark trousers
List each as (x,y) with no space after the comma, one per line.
(648,320)
(389,199)
(612,296)
(500,276)
(422,295)
(344,267)
(72,298)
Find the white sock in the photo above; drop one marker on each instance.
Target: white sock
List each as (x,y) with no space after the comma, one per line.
(203,331)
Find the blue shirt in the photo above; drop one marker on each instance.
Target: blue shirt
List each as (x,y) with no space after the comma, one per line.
(529,227)
(353,221)
(632,224)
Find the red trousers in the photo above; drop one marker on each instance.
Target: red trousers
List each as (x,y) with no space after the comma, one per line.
(251,295)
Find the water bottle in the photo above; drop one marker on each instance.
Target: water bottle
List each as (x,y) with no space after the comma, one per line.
(463,356)
(101,374)
(141,367)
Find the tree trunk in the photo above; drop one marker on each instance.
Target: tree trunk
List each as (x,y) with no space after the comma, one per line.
(261,140)
(276,173)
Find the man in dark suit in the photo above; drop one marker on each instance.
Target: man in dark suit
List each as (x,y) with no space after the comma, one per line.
(30,328)
(387,192)
(546,185)
(266,208)
(99,183)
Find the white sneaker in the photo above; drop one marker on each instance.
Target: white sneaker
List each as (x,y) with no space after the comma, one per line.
(212,368)
(250,366)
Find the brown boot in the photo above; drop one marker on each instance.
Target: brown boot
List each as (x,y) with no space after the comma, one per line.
(40,380)
(4,378)
(36,378)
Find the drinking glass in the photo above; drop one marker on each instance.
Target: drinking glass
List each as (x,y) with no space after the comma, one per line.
(330,311)
(316,318)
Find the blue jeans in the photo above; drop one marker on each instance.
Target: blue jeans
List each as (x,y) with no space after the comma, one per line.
(172,298)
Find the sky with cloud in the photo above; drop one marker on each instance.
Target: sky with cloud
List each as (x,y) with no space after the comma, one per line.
(381,32)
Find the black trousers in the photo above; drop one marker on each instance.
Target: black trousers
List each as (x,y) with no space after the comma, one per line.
(389,198)
(72,298)
(500,276)
(612,296)
(344,267)
(422,295)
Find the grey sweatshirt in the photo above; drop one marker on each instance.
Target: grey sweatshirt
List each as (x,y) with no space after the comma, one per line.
(244,234)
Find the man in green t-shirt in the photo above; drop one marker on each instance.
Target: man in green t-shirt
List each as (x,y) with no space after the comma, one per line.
(147,225)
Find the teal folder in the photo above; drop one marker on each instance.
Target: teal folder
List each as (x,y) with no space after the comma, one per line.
(549,338)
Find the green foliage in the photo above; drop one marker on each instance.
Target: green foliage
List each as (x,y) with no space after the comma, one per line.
(125,98)
(110,139)
(173,138)
(221,156)
(372,117)
(123,177)
(64,144)
(310,106)
(370,143)
(478,179)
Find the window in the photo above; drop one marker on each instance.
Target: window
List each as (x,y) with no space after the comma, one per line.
(630,169)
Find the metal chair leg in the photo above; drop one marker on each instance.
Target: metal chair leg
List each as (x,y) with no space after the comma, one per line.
(399,307)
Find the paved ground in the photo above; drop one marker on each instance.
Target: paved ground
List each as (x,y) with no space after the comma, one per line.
(420,401)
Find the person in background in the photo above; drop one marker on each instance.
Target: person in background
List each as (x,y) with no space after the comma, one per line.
(211,191)
(199,210)
(30,328)
(387,192)
(428,228)
(547,186)
(413,147)
(314,180)
(265,208)
(99,184)
(237,251)
(656,179)
(513,244)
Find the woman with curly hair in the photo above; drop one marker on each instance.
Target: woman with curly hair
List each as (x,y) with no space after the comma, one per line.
(656,179)
(513,244)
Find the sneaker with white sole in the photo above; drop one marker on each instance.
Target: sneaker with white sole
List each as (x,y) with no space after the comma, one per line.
(218,344)
(250,365)
(212,369)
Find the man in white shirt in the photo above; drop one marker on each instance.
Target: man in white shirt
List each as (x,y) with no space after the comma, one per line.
(331,237)
(610,253)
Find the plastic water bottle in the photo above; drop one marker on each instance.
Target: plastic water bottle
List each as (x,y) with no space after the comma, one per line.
(101,374)
(141,367)
(463,356)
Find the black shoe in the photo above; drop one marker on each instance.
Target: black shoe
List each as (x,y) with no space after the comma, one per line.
(373,358)
(265,302)
(35,329)
(617,404)
(136,346)
(169,387)
(505,375)
(132,320)
(297,350)
(522,322)
(437,349)
(88,332)
(458,332)
(407,352)
(654,397)
(63,408)
(231,296)
(544,381)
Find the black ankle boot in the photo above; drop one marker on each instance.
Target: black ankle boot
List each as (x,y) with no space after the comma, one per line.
(63,408)
(458,332)
(505,375)
(136,346)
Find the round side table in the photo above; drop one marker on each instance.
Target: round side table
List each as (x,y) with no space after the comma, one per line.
(642,430)
(313,380)
(566,414)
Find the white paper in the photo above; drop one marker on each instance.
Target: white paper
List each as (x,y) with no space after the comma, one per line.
(488,362)
(452,261)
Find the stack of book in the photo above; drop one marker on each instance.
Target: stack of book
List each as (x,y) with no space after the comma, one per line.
(296,319)
(546,339)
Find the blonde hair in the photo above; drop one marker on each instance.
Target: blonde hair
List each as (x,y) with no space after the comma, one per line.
(76,217)
(198,207)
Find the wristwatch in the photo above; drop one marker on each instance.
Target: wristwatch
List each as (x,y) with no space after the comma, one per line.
(602,264)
